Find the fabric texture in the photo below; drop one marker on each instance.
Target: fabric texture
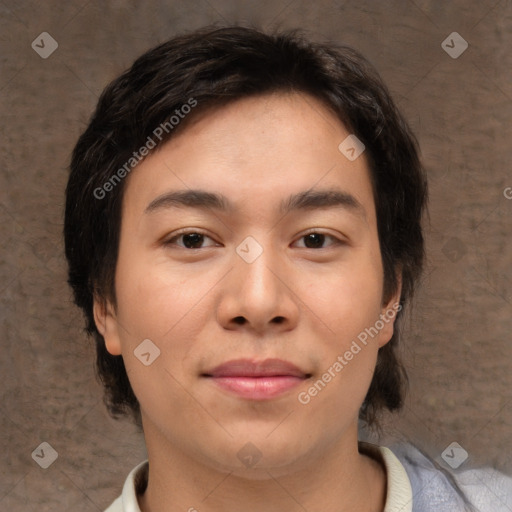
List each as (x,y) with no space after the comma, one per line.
(414,484)
(435,489)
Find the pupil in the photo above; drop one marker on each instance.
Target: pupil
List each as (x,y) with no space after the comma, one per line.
(314,240)
(192,240)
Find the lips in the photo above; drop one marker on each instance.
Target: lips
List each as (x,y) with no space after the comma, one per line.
(257,380)
(248,368)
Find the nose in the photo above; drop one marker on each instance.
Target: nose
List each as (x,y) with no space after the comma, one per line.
(259,296)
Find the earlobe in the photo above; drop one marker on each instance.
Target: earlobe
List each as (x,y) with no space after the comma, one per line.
(106,323)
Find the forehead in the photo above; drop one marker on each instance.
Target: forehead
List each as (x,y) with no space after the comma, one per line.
(254,151)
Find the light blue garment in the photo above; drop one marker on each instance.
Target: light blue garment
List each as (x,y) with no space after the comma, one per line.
(435,489)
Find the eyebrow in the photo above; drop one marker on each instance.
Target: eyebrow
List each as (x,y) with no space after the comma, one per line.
(306,200)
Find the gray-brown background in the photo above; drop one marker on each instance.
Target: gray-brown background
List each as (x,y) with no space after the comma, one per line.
(458,348)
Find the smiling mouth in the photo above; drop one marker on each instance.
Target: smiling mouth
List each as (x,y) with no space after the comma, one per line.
(258,388)
(257,380)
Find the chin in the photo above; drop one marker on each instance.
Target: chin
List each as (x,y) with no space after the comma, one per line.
(262,458)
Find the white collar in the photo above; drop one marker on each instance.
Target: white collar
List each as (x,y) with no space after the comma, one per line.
(399,490)
(398,498)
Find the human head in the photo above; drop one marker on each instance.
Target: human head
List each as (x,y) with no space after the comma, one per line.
(208,69)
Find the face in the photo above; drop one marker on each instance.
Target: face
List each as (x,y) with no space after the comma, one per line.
(249,256)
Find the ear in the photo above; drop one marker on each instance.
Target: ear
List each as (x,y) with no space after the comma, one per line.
(106,323)
(389,312)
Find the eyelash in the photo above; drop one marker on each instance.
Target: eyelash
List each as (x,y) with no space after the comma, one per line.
(171,241)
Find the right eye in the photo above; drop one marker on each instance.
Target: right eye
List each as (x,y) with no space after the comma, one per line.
(190,240)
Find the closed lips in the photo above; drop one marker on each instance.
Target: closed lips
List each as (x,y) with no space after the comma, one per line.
(253,369)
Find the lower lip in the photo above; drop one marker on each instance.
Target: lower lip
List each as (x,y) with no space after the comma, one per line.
(258,388)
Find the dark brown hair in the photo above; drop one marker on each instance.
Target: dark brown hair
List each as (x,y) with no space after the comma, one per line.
(214,66)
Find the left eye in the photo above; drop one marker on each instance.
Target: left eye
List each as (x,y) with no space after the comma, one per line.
(191,240)
(317,240)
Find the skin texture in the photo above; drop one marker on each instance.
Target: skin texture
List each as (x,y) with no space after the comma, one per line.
(206,306)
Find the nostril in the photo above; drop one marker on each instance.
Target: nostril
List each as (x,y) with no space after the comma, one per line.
(278,319)
(240,320)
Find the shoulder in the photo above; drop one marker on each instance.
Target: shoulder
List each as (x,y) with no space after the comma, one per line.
(487,489)
(436,488)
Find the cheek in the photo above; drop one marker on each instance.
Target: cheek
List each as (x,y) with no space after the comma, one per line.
(156,297)
(347,300)
(349,354)
(349,303)
(170,310)
(170,307)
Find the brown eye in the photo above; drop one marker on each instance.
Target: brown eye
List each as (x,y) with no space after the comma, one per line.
(314,240)
(317,240)
(191,240)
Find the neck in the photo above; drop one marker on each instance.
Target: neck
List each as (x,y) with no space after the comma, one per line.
(339,479)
